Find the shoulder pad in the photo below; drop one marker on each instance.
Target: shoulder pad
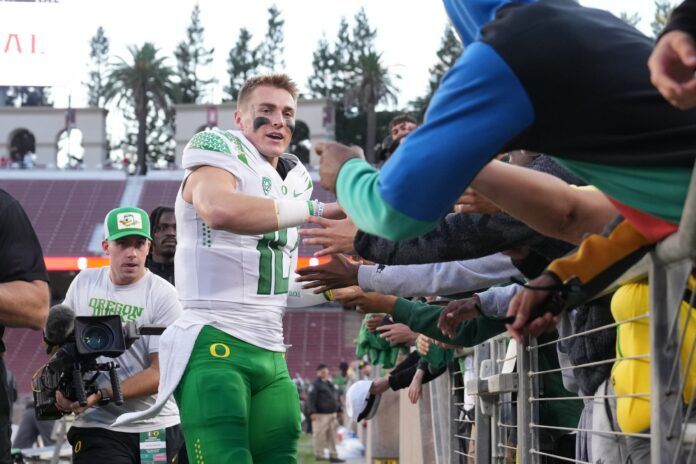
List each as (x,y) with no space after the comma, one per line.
(209,140)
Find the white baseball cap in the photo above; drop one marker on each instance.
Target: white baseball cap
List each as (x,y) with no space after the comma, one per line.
(360,404)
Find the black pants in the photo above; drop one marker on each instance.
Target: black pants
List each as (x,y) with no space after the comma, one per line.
(93,445)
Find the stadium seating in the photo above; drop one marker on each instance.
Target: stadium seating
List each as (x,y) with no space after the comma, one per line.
(158,193)
(317,336)
(25,354)
(64,212)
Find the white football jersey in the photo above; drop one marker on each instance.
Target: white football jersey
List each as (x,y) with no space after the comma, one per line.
(249,274)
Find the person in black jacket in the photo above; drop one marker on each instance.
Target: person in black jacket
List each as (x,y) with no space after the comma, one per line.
(323,407)
(160,261)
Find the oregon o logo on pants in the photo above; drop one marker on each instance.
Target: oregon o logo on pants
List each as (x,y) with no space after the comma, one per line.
(219,350)
(78,446)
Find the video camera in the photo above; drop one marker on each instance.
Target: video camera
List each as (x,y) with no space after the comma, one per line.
(72,369)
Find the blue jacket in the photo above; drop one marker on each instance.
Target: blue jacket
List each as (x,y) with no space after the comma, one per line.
(548,76)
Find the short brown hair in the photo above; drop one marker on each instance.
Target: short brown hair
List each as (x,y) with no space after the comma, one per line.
(279,81)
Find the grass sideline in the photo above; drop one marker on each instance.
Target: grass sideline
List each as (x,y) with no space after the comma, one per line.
(305,450)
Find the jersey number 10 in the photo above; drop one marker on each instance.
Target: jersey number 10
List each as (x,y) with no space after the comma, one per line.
(271,279)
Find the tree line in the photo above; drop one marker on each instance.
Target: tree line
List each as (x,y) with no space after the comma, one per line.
(349,71)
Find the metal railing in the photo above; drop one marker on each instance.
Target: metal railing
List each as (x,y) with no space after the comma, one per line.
(506,425)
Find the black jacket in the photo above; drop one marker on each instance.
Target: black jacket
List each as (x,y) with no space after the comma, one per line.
(683,18)
(323,398)
(165,271)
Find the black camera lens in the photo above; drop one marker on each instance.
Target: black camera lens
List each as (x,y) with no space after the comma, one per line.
(97,337)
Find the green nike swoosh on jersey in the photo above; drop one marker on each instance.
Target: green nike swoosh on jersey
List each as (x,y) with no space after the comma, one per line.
(295,194)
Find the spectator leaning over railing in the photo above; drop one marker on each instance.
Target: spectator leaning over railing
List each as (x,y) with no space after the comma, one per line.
(423,318)
(455,277)
(477,233)
(457,236)
(585,97)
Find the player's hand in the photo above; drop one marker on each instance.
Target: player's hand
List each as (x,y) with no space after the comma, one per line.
(332,157)
(340,272)
(472,202)
(523,305)
(336,236)
(423,345)
(397,334)
(372,321)
(672,65)
(455,313)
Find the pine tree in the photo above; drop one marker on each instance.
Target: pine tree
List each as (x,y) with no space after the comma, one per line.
(323,83)
(99,53)
(191,55)
(447,54)
(363,40)
(243,62)
(663,8)
(344,59)
(271,50)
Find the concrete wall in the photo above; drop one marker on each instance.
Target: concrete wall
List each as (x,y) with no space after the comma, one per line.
(383,431)
(47,123)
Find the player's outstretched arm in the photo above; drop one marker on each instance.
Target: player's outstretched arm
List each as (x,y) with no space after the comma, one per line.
(213,193)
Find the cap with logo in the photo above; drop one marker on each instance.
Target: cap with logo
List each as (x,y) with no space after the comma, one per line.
(360,404)
(121,222)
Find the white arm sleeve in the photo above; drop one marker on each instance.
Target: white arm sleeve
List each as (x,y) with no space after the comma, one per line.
(437,278)
(301,298)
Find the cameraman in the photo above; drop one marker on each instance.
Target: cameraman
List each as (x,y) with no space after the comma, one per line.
(125,288)
(23,292)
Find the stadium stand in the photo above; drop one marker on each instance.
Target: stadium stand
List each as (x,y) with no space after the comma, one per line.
(25,354)
(63,228)
(158,193)
(317,336)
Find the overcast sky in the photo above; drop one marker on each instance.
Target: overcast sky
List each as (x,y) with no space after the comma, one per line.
(408,32)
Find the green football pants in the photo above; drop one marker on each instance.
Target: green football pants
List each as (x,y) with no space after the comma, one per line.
(237,402)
